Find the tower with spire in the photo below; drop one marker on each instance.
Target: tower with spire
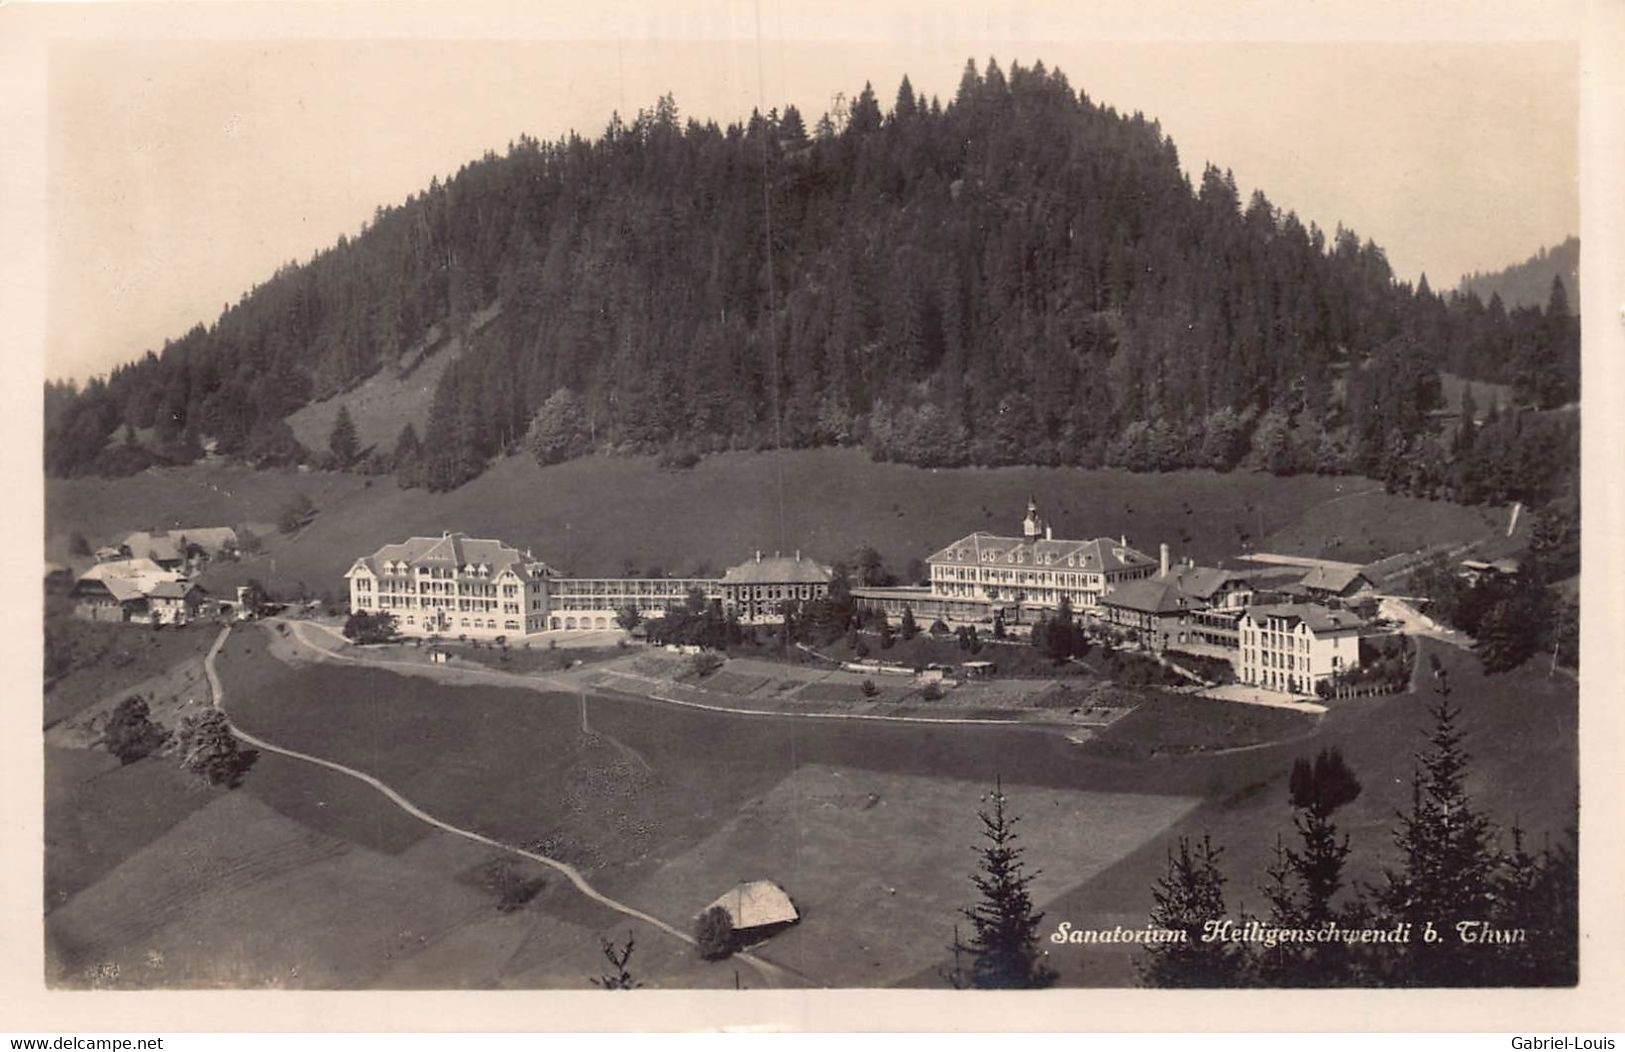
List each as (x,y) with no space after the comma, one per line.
(1032,527)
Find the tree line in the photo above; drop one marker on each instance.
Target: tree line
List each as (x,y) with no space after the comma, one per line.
(1015,275)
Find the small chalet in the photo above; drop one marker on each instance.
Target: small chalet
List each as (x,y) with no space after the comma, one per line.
(1334,582)
(757,907)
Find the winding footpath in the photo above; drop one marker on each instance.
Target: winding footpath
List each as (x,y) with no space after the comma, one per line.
(767,969)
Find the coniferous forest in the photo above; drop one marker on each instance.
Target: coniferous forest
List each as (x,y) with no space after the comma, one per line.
(1016,275)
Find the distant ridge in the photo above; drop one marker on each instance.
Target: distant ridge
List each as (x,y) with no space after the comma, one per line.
(1529,284)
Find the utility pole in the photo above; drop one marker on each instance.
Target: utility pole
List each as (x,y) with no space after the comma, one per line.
(1557,641)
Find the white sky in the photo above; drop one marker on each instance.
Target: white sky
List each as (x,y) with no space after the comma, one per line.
(189,157)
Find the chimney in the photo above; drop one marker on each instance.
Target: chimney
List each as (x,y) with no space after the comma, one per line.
(758,555)
(798,555)
(1164,562)
(1122,540)
(1049,532)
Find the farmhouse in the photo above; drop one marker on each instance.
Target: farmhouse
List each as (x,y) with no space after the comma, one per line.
(137,590)
(173,549)
(1326,581)
(1293,647)
(1474,571)
(158,547)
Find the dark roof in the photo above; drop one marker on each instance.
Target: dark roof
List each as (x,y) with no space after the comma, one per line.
(172,589)
(1097,555)
(159,547)
(1335,579)
(1150,595)
(777,569)
(457,552)
(1317,617)
(1203,582)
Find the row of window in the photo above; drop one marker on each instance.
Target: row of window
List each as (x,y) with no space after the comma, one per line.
(638,586)
(740,593)
(1041,596)
(486,623)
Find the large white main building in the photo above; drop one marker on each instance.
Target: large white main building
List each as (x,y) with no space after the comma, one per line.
(454,585)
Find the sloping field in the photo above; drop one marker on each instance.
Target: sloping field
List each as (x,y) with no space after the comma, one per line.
(1366,526)
(240,896)
(99,813)
(878,864)
(302,878)
(107,510)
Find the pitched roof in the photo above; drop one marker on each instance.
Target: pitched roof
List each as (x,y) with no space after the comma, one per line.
(128,579)
(1317,617)
(159,547)
(123,568)
(1151,595)
(779,569)
(1202,582)
(455,551)
(1336,579)
(211,538)
(1098,555)
(756,903)
(172,589)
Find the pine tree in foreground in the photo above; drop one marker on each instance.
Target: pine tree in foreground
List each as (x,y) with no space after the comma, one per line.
(618,978)
(1003,947)
(1185,899)
(1303,882)
(1449,863)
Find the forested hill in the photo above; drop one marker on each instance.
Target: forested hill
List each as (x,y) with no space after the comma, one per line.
(1529,284)
(1018,275)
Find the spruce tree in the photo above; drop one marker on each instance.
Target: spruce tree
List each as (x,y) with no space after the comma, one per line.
(342,441)
(1185,899)
(1448,863)
(1536,893)
(1304,882)
(1003,948)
